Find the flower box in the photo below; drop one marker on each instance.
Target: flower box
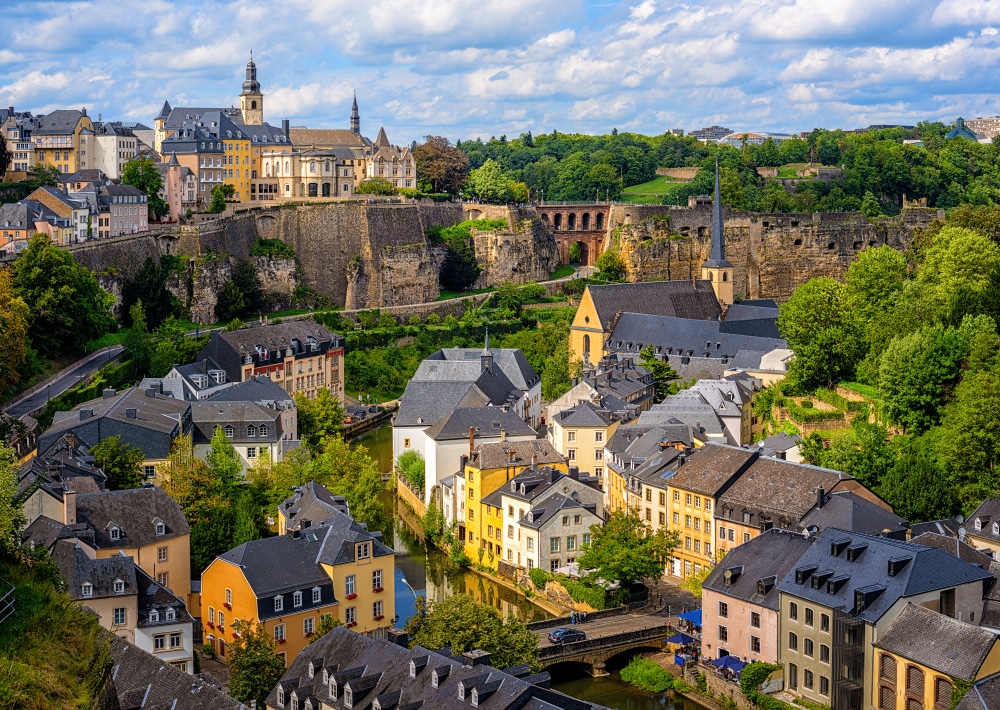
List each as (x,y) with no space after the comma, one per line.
(308,634)
(281,640)
(352,596)
(228,606)
(211,625)
(379,617)
(378,589)
(351,624)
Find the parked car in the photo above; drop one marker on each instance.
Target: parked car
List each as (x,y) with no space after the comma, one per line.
(566,636)
(375,409)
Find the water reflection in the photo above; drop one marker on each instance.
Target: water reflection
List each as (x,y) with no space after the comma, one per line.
(611,691)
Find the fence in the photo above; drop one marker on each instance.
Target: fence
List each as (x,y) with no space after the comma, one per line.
(565,649)
(7,600)
(563,621)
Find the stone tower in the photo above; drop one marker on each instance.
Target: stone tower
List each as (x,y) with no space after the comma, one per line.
(355,117)
(717,269)
(252,100)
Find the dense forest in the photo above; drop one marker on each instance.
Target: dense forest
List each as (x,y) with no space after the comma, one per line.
(574,167)
(920,330)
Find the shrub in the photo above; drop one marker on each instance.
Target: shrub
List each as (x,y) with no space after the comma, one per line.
(386,320)
(593,595)
(802,413)
(272,247)
(433,319)
(412,464)
(647,675)
(414,319)
(539,577)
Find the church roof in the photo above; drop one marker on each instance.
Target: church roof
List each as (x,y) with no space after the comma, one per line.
(326,137)
(717,255)
(165,111)
(382,141)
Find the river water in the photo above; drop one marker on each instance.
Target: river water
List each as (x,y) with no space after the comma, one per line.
(426,570)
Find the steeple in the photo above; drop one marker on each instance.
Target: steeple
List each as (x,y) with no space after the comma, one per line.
(355,116)
(486,358)
(717,270)
(382,141)
(165,111)
(252,99)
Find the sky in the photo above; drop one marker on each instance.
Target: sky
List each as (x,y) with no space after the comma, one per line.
(480,68)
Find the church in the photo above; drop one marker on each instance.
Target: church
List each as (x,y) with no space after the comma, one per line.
(237,147)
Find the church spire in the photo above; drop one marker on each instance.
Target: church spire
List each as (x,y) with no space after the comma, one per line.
(355,116)
(717,253)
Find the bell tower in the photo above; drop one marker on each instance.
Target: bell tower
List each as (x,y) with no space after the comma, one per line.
(252,100)
(717,270)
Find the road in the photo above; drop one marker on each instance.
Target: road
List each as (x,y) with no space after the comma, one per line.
(78,371)
(610,626)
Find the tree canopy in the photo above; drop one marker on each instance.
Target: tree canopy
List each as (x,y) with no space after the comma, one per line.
(441,167)
(254,667)
(120,463)
(14,317)
(143,174)
(625,549)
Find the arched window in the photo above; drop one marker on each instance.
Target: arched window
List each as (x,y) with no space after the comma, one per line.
(586,344)
(286,166)
(887,668)
(253,104)
(725,275)
(710,276)
(312,166)
(251,430)
(914,681)
(229,431)
(600,221)
(571,224)
(326,189)
(313,189)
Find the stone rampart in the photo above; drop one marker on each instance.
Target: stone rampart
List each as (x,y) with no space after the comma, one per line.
(121,256)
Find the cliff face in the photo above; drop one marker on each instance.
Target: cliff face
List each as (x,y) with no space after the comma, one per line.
(772,254)
(524,251)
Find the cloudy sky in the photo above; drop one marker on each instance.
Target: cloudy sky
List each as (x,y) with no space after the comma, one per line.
(467,68)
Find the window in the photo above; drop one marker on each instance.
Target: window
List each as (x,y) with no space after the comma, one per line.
(211,615)
(793,641)
(115,534)
(531,544)
(571,436)
(824,653)
(807,647)
(88,589)
(576,519)
(279,603)
(279,633)
(349,585)
(175,640)
(163,579)
(171,614)
(565,520)
(942,692)
(722,531)
(598,436)
(251,452)
(571,543)
(687,543)
(251,431)
(586,539)
(915,681)
(119,616)
(159,642)
(677,518)
(687,499)
(377,610)
(687,521)
(723,610)
(161,554)
(793,676)
(677,495)
(755,619)
(824,686)
(364,551)
(229,597)
(377,579)
(793,611)
(571,454)
(317,595)
(297,599)
(262,430)
(663,498)
(809,617)
(229,431)
(807,678)
(663,518)
(824,622)
(697,501)
(723,633)
(510,532)
(554,544)
(755,644)
(697,545)
(732,535)
(887,668)
(149,471)
(119,587)
(222,620)
(308,625)
(351,615)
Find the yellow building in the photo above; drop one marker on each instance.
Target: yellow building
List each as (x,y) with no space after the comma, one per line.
(491,466)
(691,499)
(580,433)
(64,139)
(920,659)
(290,582)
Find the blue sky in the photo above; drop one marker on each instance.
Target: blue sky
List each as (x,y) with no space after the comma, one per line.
(467,68)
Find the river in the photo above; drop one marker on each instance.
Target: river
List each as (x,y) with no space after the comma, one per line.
(426,570)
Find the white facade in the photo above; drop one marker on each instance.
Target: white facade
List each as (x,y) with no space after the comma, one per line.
(170,643)
(443,458)
(112,152)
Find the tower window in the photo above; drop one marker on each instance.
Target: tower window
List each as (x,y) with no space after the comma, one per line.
(253,104)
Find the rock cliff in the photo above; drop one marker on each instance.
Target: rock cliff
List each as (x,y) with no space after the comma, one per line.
(523,251)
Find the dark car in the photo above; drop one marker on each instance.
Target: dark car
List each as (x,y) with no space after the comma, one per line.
(566,636)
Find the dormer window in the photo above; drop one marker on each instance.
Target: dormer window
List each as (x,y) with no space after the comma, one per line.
(161,528)
(996,528)
(171,614)
(154,616)
(281,697)
(87,590)
(979,524)
(279,603)
(333,688)
(297,599)
(295,703)
(364,551)
(251,431)
(114,533)
(348,697)
(262,431)
(229,431)
(119,586)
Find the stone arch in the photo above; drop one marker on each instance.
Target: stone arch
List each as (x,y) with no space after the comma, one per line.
(622,658)
(585,252)
(557,220)
(571,222)
(545,216)
(585,222)
(473,214)
(599,221)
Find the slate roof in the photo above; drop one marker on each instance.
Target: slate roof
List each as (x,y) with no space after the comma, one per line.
(778,443)
(766,559)
(658,468)
(486,421)
(45,532)
(954,546)
(680,299)
(532,484)
(552,506)
(777,491)
(712,469)
(229,348)
(923,569)
(987,514)
(133,512)
(691,337)
(77,569)
(690,408)
(206,416)
(312,502)
(849,511)
(15,214)
(323,137)
(168,386)
(584,414)
(511,360)
(143,681)
(752,310)
(936,641)
(59,123)
(260,389)
(65,465)
(984,695)
(945,526)
(424,403)
(153,597)
(717,252)
(352,658)
(500,454)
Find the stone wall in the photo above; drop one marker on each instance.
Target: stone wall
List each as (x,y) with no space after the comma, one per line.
(525,251)
(278,279)
(772,253)
(122,256)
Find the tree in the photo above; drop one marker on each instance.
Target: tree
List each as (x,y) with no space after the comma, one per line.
(12,518)
(822,331)
(461,623)
(663,375)
(142,173)
(968,447)
(870,207)
(917,487)
(320,417)
(68,308)
(575,253)
(460,268)
(958,276)
(625,549)
(220,193)
(489,184)
(13,332)
(120,463)
(230,303)
(863,451)
(222,458)
(441,166)
(247,280)
(6,157)
(327,623)
(248,516)
(150,287)
(611,266)
(376,186)
(254,667)
(170,346)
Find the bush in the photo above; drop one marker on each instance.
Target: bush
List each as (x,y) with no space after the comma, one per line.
(387,320)
(412,464)
(648,675)
(272,247)
(539,577)
(433,319)
(414,319)
(585,593)
(807,414)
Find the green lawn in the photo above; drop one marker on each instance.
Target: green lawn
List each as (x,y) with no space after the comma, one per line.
(659,185)
(446,294)
(562,272)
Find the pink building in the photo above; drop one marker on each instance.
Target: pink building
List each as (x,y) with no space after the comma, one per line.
(740,598)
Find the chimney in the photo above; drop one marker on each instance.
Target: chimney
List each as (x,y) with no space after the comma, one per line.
(398,637)
(151,392)
(108,393)
(503,434)
(820,494)
(69,507)
(462,461)
(71,440)
(132,413)
(534,460)
(574,473)
(475,657)
(472,439)
(285,129)
(86,414)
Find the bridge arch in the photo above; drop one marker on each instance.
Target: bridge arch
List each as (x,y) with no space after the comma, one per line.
(571,222)
(557,220)
(599,221)
(621,659)
(585,222)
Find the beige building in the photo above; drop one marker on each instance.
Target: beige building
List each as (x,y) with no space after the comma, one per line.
(580,433)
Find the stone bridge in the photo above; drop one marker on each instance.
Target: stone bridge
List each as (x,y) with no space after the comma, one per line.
(607,637)
(586,223)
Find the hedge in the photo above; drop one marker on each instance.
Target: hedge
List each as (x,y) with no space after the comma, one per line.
(596,597)
(647,675)
(840,402)
(808,414)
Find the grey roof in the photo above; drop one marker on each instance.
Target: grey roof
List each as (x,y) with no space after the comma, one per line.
(690,337)
(923,569)
(757,565)
(984,695)
(155,685)
(658,468)
(260,389)
(135,513)
(165,110)
(936,641)
(556,504)
(15,214)
(945,526)
(65,465)
(962,131)
(229,348)
(61,122)
(312,502)
(752,310)
(987,514)
(207,416)
(169,386)
(424,403)
(511,360)
(532,484)
(584,414)
(849,511)
(686,407)
(682,299)
(717,252)
(45,532)
(376,668)
(485,421)
(711,469)
(77,569)
(154,598)
(954,546)
(518,454)
(778,443)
